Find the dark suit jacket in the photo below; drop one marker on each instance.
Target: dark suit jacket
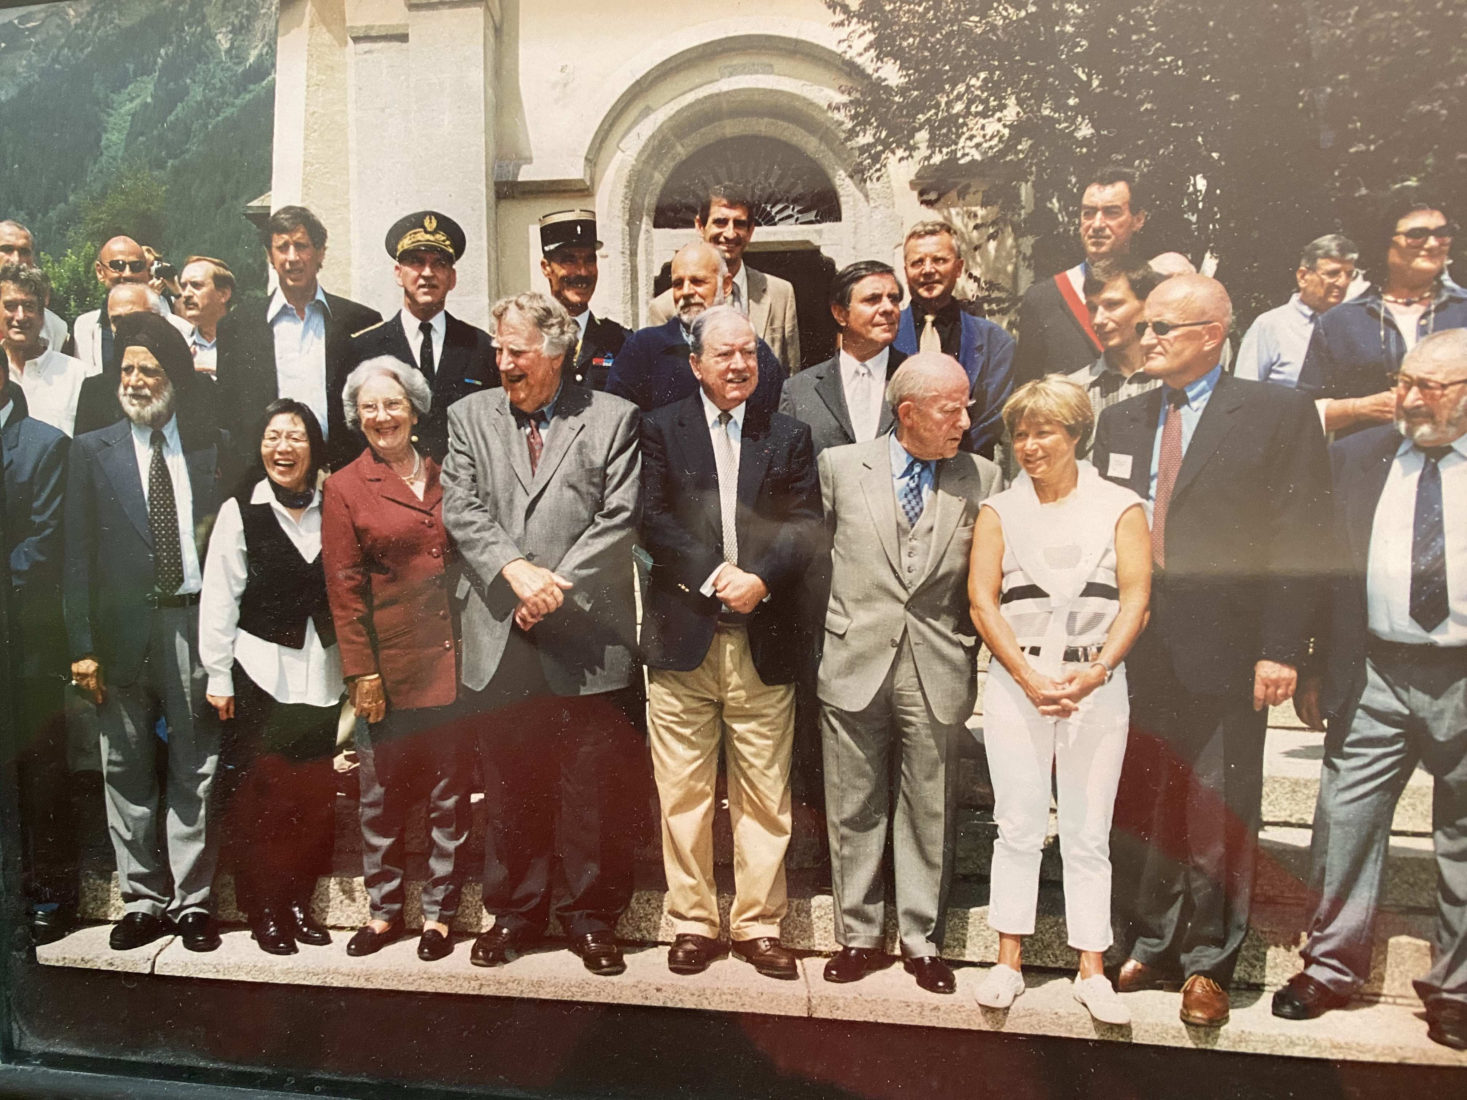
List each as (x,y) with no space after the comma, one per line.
(986,352)
(1249,513)
(778,523)
(247,381)
(652,371)
(109,548)
(600,347)
(1051,340)
(97,405)
(35,480)
(816,397)
(464,365)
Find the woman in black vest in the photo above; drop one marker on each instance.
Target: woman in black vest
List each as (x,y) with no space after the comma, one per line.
(268,644)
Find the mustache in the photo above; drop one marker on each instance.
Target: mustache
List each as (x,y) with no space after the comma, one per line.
(579,282)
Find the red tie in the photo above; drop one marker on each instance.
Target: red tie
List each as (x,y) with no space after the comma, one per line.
(1166,471)
(536,442)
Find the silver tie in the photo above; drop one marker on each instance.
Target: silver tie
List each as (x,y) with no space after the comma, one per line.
(727,460)
(863,424)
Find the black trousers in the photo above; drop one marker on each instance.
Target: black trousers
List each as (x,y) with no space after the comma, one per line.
(1185,831)
(560,783)
(49,865)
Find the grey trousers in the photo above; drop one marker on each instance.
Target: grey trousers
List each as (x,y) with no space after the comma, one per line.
(890,760)
(1413,709)
(170,686)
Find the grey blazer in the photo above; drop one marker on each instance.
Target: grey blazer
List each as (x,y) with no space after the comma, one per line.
(816,397)
(577,514)
(870,607)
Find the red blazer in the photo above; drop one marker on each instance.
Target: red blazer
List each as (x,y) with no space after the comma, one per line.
(387,557)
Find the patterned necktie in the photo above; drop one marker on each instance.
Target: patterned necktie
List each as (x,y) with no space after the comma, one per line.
(1429,606)
(535,440)
(727,461)
(911,494)
(1166,471)
(163,523)
(425,358)
(930,340)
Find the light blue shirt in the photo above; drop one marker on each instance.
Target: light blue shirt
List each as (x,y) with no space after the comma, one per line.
(1198,392)
(1273,347)
(183,495)
(300,351)
(545,414)
(900,457)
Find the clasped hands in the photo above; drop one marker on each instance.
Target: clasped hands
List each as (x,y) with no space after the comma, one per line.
(539,590)
(1061,698)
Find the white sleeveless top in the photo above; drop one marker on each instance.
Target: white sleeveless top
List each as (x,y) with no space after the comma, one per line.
(1059,563)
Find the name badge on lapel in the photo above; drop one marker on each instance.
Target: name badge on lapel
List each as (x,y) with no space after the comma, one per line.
(1119,466)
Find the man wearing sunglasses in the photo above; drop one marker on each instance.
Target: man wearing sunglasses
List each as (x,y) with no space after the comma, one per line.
(1237,479)
(120,262)
(1394,686)
(1357,345)
(1273,349)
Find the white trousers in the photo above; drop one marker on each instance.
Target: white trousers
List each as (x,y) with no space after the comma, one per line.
(1084,753)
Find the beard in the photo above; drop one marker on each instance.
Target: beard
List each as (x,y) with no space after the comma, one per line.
(146,409)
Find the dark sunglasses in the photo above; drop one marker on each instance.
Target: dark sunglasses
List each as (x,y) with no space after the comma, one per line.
(1417,234)
(133,266)
(1164,328)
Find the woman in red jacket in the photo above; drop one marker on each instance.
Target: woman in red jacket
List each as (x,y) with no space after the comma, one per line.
(387,556)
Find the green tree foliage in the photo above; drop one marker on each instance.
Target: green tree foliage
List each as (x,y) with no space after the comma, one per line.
(74,286)
(1259,124)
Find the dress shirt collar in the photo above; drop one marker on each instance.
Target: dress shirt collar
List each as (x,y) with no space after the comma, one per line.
(544,414)
(1459,445)
(949,314)
(741,280)
(278,303)
(712,412)
(1303,310)
(410,328)
(143,436)
(197,339)
(263,494)
(582,320)
(900,457)
(877,364)
(1199,389)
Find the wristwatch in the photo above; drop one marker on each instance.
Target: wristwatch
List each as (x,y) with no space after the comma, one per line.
(1109,672)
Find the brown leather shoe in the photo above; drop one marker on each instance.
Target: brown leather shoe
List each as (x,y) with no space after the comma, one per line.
(768,956)
(1204,1002)
(1135,975)
(691,953)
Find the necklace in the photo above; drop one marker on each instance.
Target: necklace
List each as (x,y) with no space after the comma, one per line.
(417,468)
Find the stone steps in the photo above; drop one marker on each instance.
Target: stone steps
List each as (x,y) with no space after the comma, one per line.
(1366,1031)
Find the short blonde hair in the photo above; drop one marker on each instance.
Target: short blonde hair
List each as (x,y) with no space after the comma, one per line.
(1053,399)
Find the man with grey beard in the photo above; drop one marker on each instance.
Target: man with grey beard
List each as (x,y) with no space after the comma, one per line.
(140,498)
(1394,686)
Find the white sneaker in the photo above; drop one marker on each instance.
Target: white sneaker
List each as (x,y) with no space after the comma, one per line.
(1000,987)
(1101,999)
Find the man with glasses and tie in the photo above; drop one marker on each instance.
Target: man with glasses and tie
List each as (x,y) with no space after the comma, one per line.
(120,262)
(897,676)
(1237,479)
(1359,343)
(1394,687)
(1273,348)
(455,357)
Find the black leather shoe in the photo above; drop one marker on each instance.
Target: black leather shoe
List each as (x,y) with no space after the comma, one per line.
(367,941)
(852,964)
(434,945)
(691,953)
(600,953)
(1446,1023)
(497,946)
(137,929)
(304,927)
(932,974)
(198,931)
(768,956)
(1304,998)
(51,925)
(272,934)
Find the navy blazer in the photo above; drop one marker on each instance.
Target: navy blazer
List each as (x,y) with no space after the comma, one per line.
(986,352)
(652,371)
(599,348)
(108,585)
(777,518)
(35,481)
(1249,513)
(463,365)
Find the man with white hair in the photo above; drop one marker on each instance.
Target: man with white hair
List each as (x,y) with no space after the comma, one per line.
(97,404)
(1394,687)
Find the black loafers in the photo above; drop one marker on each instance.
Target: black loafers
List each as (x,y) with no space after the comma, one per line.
(50,925)
(271,933)
(600,953)
(691,953)
(1304,998)
(932,974)
(1446,1023)
(852,964)
(497,946)
(434,945)
(367,941)
(304,927)
(137,929)
(198,931)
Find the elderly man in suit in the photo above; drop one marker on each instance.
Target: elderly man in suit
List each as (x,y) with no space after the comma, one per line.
(455,357)
(541,494)
(140,498)
(97,404)
(732,515)
(934,321)
(897,677)
(1238,483)
(568,247)
(120,262)
(1394,689)
(652,369)
(726,221)
(297,343)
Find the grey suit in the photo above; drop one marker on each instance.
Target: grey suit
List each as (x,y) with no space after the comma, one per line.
(771,310)
(897,677)
(817,397)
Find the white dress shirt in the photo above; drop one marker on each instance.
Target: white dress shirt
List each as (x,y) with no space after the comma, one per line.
(1388,572)
(864,395)
(414,334)
(52,384)
(300,351)
(183,494)
(311,674)
(735,429)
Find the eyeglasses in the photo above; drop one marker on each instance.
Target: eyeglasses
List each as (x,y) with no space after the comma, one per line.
(1402,382)
(134,266)
(1164,328)
(295,439)
(1417,234)
(392,406)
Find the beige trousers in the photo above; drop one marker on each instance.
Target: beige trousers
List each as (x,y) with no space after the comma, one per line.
(689,714)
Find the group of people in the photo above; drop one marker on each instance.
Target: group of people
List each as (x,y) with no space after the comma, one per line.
(308,502)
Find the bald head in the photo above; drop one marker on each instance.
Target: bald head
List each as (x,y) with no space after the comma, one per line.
(700,279)
(126,254)
(1195,313)
(128,298)
(929,396)
(1171,263)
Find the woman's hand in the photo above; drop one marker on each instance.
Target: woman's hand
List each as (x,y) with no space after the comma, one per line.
(368,699)
(1079,683)
(223,705)
(1043,693)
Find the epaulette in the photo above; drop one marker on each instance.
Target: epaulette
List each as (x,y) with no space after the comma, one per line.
(369,328)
